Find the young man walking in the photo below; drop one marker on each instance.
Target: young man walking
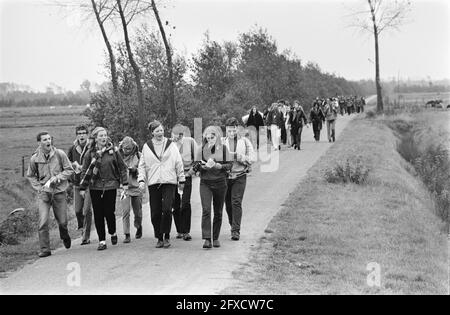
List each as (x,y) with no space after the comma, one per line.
(82,206)
(48,173)
(182,211)
(242,150)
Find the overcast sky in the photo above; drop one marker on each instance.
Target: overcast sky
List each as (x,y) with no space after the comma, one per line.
(40,44)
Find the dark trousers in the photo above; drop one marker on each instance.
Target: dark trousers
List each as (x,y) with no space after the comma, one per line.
(283,134)
(317,126)
(161,200)
(212,191)
(297,137)
(234,197)
(104,209)
(182,213)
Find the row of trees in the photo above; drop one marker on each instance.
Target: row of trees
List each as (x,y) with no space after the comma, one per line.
(219,81)
(149,81)
(13,95)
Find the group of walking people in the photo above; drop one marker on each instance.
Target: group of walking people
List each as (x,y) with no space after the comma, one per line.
(98,170)
(285,121)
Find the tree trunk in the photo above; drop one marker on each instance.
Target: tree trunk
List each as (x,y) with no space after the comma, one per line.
(112,59)
(169,67)
(380,105)
(137,75)
(377,59)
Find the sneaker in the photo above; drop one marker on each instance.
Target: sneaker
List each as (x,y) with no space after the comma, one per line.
(67,243)
(207,244)
(102,246)
(139,233)
(85,242)
(166,243)
(187,237)
(216,243)
(127,239)
(180,236)
(160,244)
(44,254)
(114,239)
(235,236)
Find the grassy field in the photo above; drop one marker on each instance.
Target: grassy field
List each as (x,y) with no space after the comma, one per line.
(18,130)
(324,237)
(420,99)
(19,126)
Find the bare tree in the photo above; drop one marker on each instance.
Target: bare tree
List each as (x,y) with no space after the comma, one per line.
(381,16)
(137,72)
(172,105)
(102,13)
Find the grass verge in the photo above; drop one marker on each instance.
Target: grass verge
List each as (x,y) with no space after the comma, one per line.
(323,239)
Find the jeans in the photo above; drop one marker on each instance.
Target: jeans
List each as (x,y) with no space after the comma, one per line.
(161,200)
(59,204)
(212,191)
(298,137)
(104,204)
(126,204)
(317,127)
(182,213)
(83,212)
(331,127)
(234,197)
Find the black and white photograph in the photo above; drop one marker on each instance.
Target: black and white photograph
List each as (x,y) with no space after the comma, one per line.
(224,155)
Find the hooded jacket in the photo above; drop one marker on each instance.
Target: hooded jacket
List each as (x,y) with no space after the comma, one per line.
(41,169)
(167,169)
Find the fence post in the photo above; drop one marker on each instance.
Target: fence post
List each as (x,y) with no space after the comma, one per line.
(23,166)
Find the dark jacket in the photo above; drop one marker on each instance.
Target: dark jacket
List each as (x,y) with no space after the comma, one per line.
(111,170)
(74,155)
(316,118)
(296,120)
(255,120)
(222,156)
(275,117)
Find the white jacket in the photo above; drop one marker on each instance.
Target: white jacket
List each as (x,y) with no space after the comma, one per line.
(168,170)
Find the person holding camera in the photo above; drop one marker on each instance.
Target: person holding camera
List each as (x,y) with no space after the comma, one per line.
(48,173)
(161,169)
(214,166)
(132,198)
(103,172)
(244,157)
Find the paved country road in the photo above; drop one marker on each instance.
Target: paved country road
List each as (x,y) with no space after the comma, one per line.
(185,268)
